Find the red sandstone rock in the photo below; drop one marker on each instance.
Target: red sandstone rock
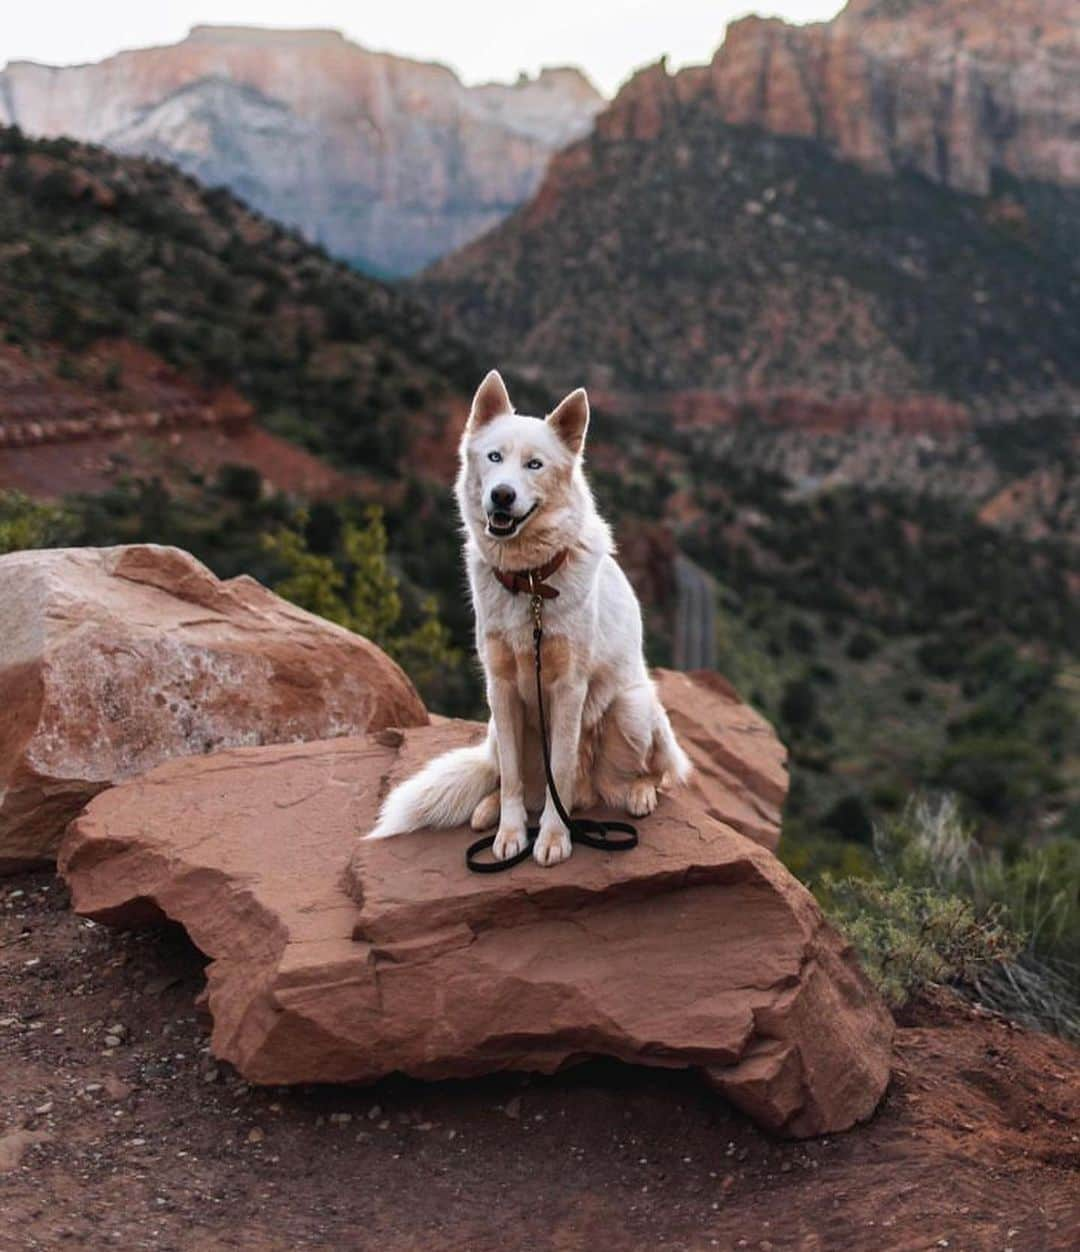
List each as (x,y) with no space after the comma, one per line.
(740,767)
(117,659)
(698,949)
(956,89)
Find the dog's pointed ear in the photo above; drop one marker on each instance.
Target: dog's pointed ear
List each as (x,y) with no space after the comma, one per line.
(570,420)
(491,400)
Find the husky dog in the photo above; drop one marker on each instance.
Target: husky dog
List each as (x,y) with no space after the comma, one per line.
(529,518)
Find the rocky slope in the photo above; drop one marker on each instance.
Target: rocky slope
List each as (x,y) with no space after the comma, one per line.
(99,250)
(677,263)
(82,423)
(387,162)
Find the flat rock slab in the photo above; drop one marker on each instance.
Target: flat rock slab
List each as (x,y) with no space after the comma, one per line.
(116,659)
(697,949)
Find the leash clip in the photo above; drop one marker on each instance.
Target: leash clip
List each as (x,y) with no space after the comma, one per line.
(536,603)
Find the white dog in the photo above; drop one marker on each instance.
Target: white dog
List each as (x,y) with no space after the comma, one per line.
(527,511)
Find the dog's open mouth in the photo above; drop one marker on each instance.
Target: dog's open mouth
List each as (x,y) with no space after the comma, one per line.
(502,524)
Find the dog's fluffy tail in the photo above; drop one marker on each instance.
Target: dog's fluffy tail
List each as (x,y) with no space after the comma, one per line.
(668,754)
(443,793)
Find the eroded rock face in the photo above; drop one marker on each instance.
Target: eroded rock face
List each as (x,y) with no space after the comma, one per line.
(695,950)
(387,162)
(955,89)
(740,766)
(116,659)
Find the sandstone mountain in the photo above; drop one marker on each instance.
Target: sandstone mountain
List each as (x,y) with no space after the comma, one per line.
(704,253)
(957,90)
(387,162)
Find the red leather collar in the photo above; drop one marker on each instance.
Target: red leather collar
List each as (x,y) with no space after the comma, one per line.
(532,581)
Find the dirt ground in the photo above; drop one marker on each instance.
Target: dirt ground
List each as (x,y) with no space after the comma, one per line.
(118,1130)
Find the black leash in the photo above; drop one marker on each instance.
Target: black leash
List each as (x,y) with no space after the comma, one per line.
(585,830)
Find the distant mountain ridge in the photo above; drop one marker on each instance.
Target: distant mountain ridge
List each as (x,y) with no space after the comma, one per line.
(697,255)
(956,90)
(387,162)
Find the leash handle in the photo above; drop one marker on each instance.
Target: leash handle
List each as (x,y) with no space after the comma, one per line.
(589,831)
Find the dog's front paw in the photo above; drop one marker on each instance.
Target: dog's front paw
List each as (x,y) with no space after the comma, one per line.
(641,798)
(552,846)
(509,842)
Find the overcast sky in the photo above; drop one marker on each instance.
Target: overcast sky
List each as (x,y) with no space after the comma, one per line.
(481,39)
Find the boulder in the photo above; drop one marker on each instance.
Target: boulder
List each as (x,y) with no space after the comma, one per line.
(333,960)
(740,766)
(116,659)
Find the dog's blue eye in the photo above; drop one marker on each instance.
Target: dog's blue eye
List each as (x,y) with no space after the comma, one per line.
(494,456)
(534,464)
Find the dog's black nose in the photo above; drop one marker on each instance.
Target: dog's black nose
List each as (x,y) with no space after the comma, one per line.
(502,496)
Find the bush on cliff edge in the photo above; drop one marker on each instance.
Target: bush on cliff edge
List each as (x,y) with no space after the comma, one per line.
(944,909)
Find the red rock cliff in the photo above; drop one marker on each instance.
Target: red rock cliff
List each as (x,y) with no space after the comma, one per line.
(955,89)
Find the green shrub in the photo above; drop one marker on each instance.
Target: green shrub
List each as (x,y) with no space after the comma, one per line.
(361,592)
(801,635)
(24,523)
(240,482)
(849,819)
(1003,774)
(909,937)
(798,705)
(861,646)
(945,909)
(940,657)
